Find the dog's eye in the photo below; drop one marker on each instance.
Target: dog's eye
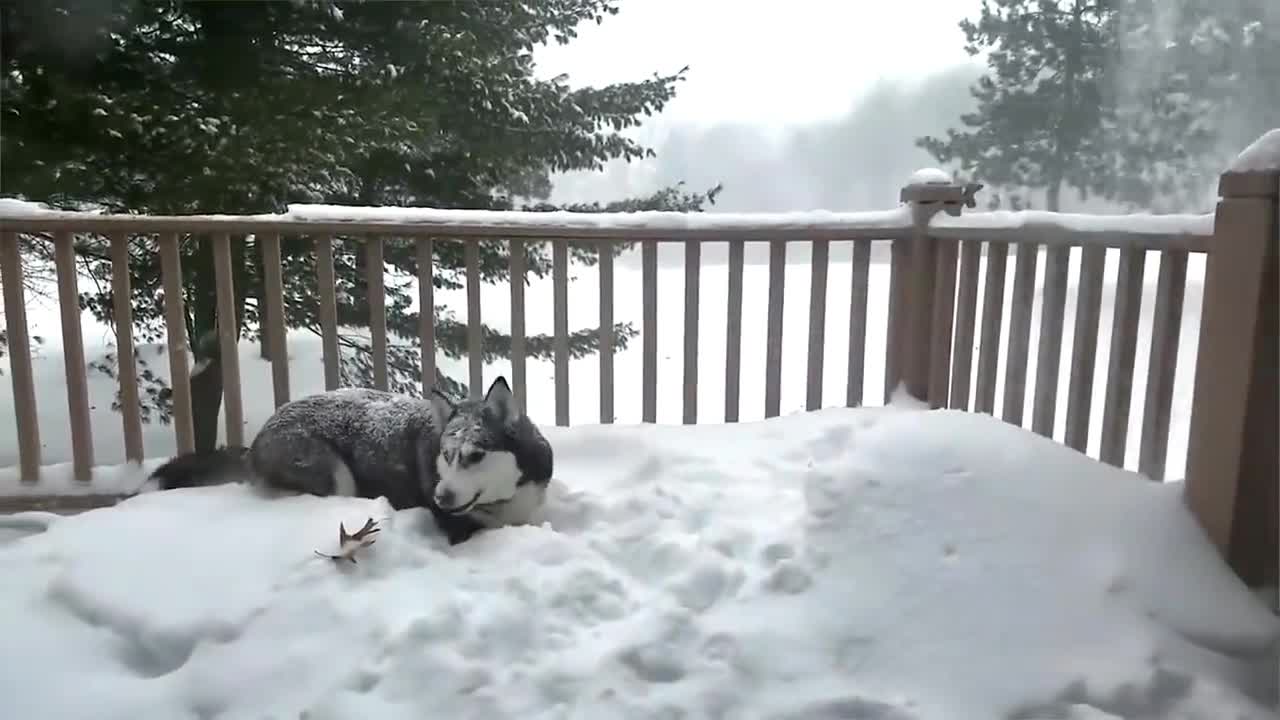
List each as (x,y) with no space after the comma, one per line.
(474,457)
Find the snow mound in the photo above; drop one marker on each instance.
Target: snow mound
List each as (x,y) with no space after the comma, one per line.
(878,564)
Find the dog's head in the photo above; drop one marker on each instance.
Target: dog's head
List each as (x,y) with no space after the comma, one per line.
(476,463)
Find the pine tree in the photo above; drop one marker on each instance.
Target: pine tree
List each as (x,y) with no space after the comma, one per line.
(1124,99)
(179,107)
(1040,108)
(1197,81)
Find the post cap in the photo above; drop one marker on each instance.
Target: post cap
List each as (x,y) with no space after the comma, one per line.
(1256,170)
(934,187)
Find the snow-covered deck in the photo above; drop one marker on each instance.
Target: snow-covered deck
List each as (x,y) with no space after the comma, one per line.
(880,563)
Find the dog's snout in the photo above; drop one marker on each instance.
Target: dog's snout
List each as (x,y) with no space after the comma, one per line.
(446,498)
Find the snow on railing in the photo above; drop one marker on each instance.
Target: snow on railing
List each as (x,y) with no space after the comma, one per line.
(1140,230)
(311,219)
(931,320)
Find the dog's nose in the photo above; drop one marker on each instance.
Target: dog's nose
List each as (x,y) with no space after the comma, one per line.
(446,498)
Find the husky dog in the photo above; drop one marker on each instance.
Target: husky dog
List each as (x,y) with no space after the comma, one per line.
(475,464)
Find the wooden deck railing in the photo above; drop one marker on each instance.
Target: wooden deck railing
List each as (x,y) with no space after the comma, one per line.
(931,322)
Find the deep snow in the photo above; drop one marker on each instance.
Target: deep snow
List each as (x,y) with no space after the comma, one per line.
(873,563)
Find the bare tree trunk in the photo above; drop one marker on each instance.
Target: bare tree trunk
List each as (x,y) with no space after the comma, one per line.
(206,377)
(206,393)
(264,344)
(264,341)
(1067,139)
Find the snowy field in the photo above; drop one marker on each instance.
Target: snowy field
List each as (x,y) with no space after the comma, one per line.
(306,368)
(870,564)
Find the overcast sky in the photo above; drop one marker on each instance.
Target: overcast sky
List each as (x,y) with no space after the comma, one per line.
(802,105)
(765,62)
(810,104)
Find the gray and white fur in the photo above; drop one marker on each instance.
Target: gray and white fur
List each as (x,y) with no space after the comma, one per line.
(475,464)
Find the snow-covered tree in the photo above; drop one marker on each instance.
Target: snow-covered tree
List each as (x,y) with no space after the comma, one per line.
(1194,82)
(177,106)
(1135,101)
(1040,111)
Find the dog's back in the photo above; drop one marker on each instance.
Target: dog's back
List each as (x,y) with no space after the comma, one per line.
(352,441)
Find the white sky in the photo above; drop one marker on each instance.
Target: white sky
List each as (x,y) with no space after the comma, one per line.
(765,62)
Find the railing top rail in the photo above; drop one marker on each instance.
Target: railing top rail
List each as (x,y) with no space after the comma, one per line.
(1191,232)
(648,225)
(1154,232)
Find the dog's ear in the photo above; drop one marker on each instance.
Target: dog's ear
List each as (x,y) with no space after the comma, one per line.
(500,400)
(442,405)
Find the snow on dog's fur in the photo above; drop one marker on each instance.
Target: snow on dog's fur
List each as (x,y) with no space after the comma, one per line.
(475,464)
(493,463)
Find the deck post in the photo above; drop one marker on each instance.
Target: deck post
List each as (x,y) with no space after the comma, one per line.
(1232,470)
(925,349)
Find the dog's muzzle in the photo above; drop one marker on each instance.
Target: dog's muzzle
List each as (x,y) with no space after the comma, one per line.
(447,500)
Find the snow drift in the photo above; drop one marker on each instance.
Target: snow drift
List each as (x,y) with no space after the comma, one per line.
(880,564)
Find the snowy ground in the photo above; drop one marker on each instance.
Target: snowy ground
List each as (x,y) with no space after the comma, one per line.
(872,564)
(306,368)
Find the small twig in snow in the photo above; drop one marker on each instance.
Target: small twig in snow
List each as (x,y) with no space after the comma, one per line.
(349,544)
